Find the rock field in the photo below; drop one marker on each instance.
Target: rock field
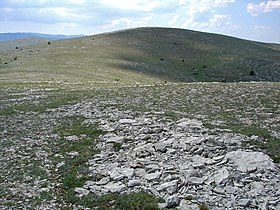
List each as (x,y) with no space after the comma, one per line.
(179,160)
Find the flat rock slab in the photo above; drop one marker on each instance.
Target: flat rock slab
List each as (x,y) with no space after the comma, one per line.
(115,187)
(195,180)
(153,176)
(127,121)
(249,161)
(244,202)
(221,175)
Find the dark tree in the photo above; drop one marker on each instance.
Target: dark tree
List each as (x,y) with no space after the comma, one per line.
(252,73)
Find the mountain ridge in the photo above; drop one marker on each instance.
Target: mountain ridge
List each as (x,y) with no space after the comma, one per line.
(149,54)
(21,35)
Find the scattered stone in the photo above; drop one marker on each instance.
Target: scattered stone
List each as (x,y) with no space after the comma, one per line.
(181,158)
(244,202)
(170,187)
(231,190)
(115,187)
(81,191)
(73,154)
(161,147)
(115,139)
(103,181)
(221,175)
(153,176)
(195,180)
(127,172)
(164,157)
(161,205)
(172,201)
(60,164)
(127,121)
(116,175)
(71,138)
(219,190)
(133,183)
(187,205)
(218,158)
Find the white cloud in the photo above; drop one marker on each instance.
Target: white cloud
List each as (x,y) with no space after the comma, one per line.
(219,23)
(173,20)
(262,28)
(195,8)
(77,1)
(127,22)
(139,5)
(59,11)
(263,7)
(219,20)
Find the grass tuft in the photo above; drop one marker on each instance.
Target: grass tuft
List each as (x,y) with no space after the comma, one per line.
(203,206)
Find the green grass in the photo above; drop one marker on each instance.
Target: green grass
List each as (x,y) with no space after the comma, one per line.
(71,180)
(172,115)
(137,201)
(203,206)
(251,130)
(189,198)
(54,100)
(134,201)
(117,146)
(75,126)
(74,172)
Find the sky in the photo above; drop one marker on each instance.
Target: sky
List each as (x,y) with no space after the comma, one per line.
(248,19)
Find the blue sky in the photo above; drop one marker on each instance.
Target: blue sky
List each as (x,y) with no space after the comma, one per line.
(249,19)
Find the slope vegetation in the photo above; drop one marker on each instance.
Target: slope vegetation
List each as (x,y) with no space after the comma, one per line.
(144,55)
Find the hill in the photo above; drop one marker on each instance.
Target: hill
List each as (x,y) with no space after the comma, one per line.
(19,43)
(144,55)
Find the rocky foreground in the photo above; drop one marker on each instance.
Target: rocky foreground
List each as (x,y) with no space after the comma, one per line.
(181,161)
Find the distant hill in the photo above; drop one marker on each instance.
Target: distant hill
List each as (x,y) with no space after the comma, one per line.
(145,55)
(14,36)
(19,43)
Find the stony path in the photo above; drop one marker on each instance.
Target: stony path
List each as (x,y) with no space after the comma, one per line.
(178,160)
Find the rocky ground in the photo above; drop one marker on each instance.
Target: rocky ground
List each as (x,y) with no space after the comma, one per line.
(188,161)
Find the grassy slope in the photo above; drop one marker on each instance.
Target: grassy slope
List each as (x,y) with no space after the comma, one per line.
(10,45)
(144,55)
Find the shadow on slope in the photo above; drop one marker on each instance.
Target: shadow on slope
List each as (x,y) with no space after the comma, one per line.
(144,55)
(183,55)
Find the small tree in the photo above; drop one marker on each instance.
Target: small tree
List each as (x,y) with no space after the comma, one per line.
(252,73)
